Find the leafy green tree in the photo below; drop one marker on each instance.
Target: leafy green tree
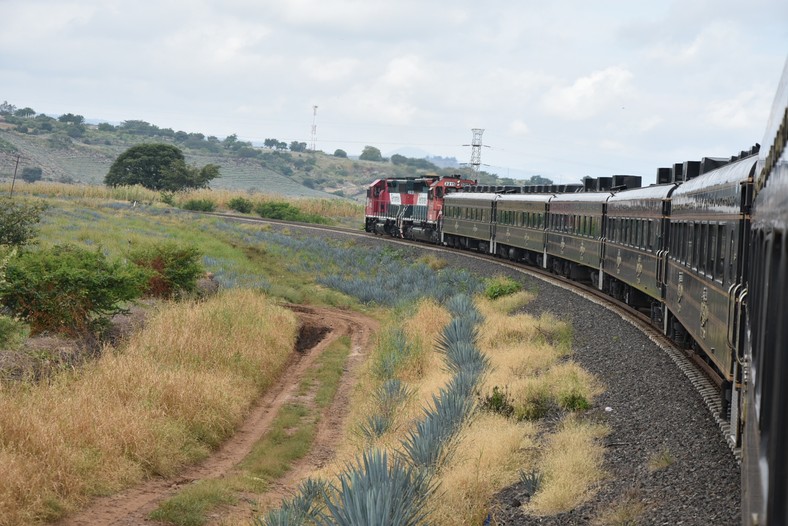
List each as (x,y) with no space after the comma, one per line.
(538,180)
(340,153)
(370,153)
(6,108)
(75,131)
(296,146)
(70,118)
(398,159)
(271,143)
(68,289)
(231,142)
(31,174)
(158,167)
(138,127)
(25,112)
(18,221)
(107,127)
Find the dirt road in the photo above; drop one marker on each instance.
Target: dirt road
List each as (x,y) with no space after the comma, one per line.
(319,328)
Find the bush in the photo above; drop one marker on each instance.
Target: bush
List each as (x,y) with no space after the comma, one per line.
(31,174)
(172,269)
(287,212)
(498,402)
(240,204)
(199,205)
(12,332)
(67,289)
(18,221)
(501,286)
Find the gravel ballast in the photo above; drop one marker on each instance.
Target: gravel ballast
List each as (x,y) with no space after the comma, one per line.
(653,409)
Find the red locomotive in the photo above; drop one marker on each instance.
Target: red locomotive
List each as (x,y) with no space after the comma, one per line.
(410,207)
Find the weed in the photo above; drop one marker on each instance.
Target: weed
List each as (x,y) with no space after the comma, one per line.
(625,513)
(497,402)
(188,507)
(12,332)
(661,459)
(501,286)
(573,401)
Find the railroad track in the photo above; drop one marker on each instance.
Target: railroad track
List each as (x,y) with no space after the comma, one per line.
(698,377)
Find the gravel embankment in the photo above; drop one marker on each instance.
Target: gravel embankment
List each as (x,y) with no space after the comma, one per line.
(654,409)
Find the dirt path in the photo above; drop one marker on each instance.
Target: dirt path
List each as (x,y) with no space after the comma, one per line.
(320,327)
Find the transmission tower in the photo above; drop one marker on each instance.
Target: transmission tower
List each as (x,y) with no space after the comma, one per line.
(476,149)
(314,127)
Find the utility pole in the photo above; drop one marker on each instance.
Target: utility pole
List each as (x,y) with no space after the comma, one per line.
(314,127)
(13,180)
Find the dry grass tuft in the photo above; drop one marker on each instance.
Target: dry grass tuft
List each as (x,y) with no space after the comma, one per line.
(174,392)
(572,466)
(661,459)
(624,513)
(489,454)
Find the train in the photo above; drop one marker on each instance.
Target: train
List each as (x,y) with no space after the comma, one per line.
(703,252)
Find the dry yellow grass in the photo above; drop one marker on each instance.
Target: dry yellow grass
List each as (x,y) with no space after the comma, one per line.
(332,208)
(507,304)
(489,454)
(52,189)
(173,393)
(571,463)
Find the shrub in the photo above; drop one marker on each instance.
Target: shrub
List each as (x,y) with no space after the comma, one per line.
(240,204)
(172,269)
(18,221)
(501,286)
(31,174)
(287,212)
(497,402)
(199,205)
(12,332)
(168,198)
(67,289)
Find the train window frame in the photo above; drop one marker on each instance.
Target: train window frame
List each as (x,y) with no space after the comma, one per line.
(720,263)
(703,246)
(711,251)
(639,234)
(649,233)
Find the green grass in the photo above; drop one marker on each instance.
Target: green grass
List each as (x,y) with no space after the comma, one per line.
(328,373)
(189,506)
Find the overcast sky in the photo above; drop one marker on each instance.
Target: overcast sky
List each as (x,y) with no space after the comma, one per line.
(562,88)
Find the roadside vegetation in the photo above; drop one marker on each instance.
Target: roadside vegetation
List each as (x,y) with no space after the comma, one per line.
(461,397)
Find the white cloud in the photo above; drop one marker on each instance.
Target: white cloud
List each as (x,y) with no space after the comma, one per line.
(739,111)
(589,95)
(518,127)
(547,82)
